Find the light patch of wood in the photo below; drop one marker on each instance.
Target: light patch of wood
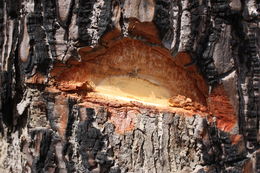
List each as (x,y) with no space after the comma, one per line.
(134,88)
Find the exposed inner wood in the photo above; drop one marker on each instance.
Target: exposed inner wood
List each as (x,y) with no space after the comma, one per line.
(134,88)
(131,73)
(131,69)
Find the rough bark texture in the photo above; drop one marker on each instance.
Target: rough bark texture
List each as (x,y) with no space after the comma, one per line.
(203,55)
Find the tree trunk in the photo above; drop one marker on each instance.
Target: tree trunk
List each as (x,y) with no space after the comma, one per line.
(115,86)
